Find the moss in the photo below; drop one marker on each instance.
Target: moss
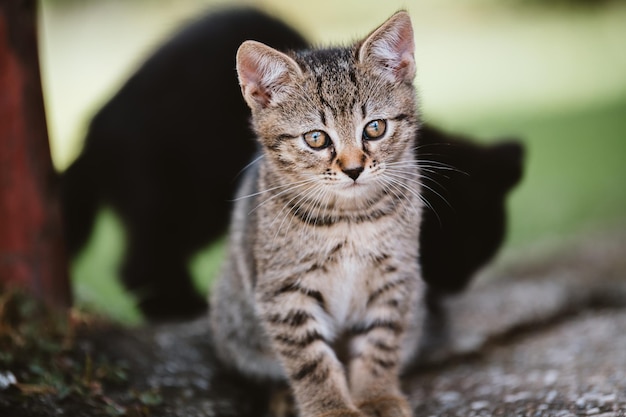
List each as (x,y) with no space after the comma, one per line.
(52,368)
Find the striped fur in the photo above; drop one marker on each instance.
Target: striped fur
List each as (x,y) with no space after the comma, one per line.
(323,238)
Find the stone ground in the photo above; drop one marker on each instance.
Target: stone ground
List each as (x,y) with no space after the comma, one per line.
(546,338)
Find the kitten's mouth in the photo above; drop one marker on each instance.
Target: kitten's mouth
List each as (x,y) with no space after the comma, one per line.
(354,185)
(355,189)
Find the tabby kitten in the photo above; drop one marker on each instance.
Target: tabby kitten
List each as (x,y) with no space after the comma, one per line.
(322,284)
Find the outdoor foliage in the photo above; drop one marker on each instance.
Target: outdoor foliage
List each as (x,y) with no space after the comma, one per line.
(44,364)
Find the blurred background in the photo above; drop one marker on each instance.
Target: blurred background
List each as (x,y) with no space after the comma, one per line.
(550,72)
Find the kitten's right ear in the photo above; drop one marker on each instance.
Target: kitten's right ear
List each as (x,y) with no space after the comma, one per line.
(264,73)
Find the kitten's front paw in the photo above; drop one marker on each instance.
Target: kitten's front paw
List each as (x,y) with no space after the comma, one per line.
(386,407)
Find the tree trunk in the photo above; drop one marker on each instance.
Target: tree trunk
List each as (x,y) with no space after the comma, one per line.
(32,253)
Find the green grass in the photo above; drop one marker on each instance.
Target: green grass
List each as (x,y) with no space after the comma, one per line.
(95,277)
(575,177)
(205,264)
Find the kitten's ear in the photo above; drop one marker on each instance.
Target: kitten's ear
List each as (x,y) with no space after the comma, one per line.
(390,49)
(264,73)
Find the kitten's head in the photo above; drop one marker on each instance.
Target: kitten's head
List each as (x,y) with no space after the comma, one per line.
(339,117)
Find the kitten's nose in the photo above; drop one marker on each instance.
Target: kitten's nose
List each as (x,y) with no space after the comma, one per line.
(353,172)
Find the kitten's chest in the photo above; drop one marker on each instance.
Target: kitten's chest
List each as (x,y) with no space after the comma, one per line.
(345,286)
(351,269)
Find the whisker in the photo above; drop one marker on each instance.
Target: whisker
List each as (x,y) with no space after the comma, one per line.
(398,186)
(397,191)
(426,172)
(399,176)
(427,163)
(285,210)
(281,193)
(298,204)
(316,204)
(250,164)
(433,145)
(271,189)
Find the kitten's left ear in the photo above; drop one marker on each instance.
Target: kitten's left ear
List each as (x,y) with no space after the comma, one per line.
(391,48)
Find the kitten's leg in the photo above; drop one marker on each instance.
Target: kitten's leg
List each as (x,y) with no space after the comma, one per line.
(293,319)
(376,351)
(374,381)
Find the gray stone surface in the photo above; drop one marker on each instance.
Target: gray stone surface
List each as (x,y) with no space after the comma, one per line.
(541,335)
(574,367)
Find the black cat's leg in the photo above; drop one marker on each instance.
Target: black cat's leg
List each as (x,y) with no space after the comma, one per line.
(80,201)
(159,278)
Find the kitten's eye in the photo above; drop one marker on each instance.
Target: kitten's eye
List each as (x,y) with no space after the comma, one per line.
(317,139)
(375,129)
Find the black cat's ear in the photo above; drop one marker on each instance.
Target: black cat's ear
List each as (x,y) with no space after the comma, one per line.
(264,73)
(507,160)
(390,49)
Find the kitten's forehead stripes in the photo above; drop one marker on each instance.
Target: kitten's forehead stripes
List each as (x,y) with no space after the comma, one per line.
(335,76)
(320,93)
(353,78)
(323,117)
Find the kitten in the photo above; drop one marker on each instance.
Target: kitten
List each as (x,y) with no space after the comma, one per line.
(322,284)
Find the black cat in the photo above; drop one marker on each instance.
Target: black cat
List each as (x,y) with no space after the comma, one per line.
(166,150)
(464,222)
